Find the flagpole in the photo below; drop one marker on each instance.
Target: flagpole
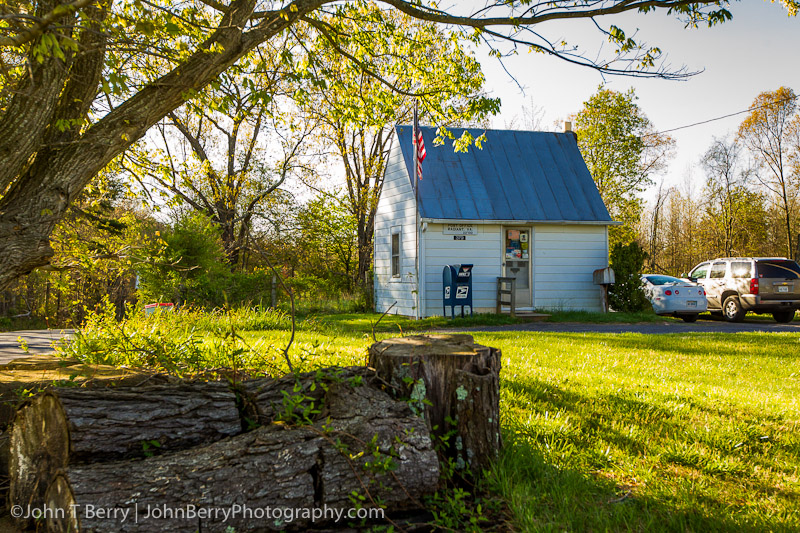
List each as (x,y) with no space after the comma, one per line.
(416,208)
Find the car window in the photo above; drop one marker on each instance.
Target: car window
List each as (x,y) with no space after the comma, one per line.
(717,271)
(700,272)
(662,280)
(741,269)
(778,269)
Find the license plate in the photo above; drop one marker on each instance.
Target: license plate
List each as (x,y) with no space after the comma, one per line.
(783,288)
(691,303)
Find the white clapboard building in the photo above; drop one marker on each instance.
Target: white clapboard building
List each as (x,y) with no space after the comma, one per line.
(523,206)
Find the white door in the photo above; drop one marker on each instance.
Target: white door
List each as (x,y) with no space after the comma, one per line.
(517,262)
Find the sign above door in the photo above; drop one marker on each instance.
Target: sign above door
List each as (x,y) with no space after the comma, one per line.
(460,229)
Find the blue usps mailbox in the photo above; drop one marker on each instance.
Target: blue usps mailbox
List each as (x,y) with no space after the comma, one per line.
(457,288)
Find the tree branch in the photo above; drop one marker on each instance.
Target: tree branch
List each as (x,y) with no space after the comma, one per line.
(40,26)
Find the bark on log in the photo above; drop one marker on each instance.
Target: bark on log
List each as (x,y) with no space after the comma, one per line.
(272,467)
(264,399)
(65,426)
(455,383)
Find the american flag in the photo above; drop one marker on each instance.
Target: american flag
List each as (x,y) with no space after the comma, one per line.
(419,145)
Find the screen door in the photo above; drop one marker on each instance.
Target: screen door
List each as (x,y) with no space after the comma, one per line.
(517,263)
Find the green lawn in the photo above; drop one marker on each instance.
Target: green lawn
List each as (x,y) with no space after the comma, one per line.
(693,432)
(605,432)
(363,322)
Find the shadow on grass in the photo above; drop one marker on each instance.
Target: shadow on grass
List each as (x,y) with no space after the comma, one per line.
(549,497)
(577,470)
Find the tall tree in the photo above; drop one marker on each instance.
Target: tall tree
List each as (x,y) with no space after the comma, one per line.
(226,151)
(58,57)
(794,139)
(326,240)
(623,152)
(655,227)
(530,117)
(364,99)
(767,132)
(683,245)
(727,197)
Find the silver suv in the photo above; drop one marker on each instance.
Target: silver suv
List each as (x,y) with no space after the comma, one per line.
(735,285)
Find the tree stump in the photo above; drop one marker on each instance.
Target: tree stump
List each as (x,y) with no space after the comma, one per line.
(64,426)
(274,466)
(455,384)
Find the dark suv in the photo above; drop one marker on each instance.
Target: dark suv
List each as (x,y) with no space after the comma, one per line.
(735,285)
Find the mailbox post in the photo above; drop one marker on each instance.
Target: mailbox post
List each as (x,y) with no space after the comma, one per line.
(457,288)
(604,277)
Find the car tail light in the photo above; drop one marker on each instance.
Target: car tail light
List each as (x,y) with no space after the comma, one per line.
(701,292)
(668,292)
(676,291)
(754,286)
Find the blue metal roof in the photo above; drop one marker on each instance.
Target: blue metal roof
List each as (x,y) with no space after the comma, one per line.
(517,175)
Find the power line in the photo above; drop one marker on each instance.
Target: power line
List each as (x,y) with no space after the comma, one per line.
(775,102)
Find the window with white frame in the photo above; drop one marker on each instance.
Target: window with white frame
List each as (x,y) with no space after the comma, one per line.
(396,252)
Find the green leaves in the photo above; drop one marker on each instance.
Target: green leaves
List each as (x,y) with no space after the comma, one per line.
(617,142)
(48,46)
(145,27)
(617,36)
(376,60)
(626,294)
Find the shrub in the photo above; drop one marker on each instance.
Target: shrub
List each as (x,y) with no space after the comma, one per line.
(626,294)
(182,342)
(188,266)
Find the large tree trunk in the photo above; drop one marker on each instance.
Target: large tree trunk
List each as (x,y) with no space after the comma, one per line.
(38,196)
(67,425)
(455,383)
(273,467)
(68,445)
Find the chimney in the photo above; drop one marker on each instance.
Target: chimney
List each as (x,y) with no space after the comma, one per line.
(568,129)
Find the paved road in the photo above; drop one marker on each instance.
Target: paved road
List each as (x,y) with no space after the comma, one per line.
(40,342)
(701,326)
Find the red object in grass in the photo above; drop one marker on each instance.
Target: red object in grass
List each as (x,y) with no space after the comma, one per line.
(149,309)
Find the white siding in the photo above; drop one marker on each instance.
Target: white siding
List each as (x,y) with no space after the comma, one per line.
(396,209)
(564,258)
(482,250)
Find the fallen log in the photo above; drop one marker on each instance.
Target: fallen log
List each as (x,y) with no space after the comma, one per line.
(65,426)
(366,448)
(455,384)
(293,396)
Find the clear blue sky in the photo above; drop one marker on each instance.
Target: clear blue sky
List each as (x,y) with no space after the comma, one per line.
(759,50)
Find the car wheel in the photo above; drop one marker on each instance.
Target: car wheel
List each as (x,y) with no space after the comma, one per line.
(689,318)
(732,309)
(784,317)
